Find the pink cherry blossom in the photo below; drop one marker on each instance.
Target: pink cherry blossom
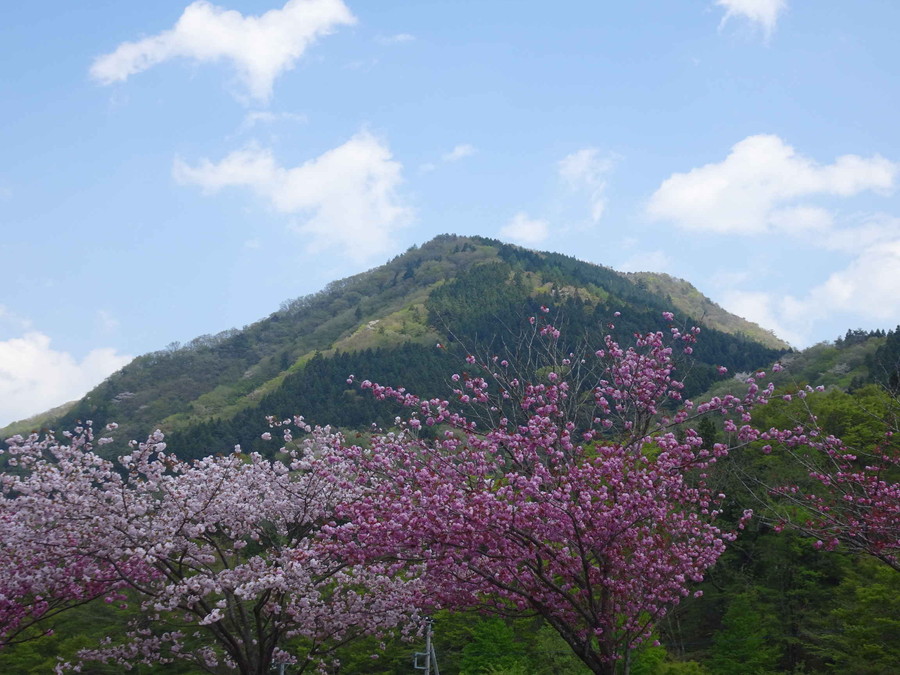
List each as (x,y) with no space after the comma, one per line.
(539,498)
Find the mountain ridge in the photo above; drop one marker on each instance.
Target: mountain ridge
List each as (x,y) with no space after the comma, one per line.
(451,282)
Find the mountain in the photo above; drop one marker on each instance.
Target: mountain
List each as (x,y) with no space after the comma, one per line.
(383,325)
(686,299)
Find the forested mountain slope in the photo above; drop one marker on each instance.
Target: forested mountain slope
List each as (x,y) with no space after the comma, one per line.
(383,324)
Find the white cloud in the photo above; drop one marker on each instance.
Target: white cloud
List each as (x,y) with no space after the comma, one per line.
(585,171)
(525,230)
(764,310)
(758,186)
(34,377)
(761,12)
(867,287)
(347,195)
(260,47)
(862,234)
(865,291)
(652,261)
(459,152)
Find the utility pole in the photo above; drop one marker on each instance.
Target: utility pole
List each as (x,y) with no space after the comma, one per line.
(280,665)
(430,665)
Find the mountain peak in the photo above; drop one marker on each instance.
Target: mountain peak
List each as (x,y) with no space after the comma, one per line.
(387,320)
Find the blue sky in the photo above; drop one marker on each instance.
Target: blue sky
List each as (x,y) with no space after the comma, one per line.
(172,169)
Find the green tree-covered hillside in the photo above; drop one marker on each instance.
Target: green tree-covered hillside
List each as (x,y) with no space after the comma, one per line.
(458,291)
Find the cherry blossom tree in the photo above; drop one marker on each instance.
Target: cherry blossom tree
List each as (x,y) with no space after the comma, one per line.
(570,486)
(222,553)
(849,497)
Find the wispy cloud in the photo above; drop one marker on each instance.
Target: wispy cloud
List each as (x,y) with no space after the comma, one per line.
(585,171)
(260,47)
(108,322)
(347,197)
(459,152)
(861,233)
(10,322)
(397,39)
(762,13)
(257,117)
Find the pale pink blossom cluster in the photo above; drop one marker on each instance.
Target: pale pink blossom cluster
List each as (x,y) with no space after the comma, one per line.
(229,545)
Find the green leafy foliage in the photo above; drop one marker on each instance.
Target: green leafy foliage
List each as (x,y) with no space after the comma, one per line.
(861,634)
(80,628)
(743,645)
(492,648)
(885,362)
